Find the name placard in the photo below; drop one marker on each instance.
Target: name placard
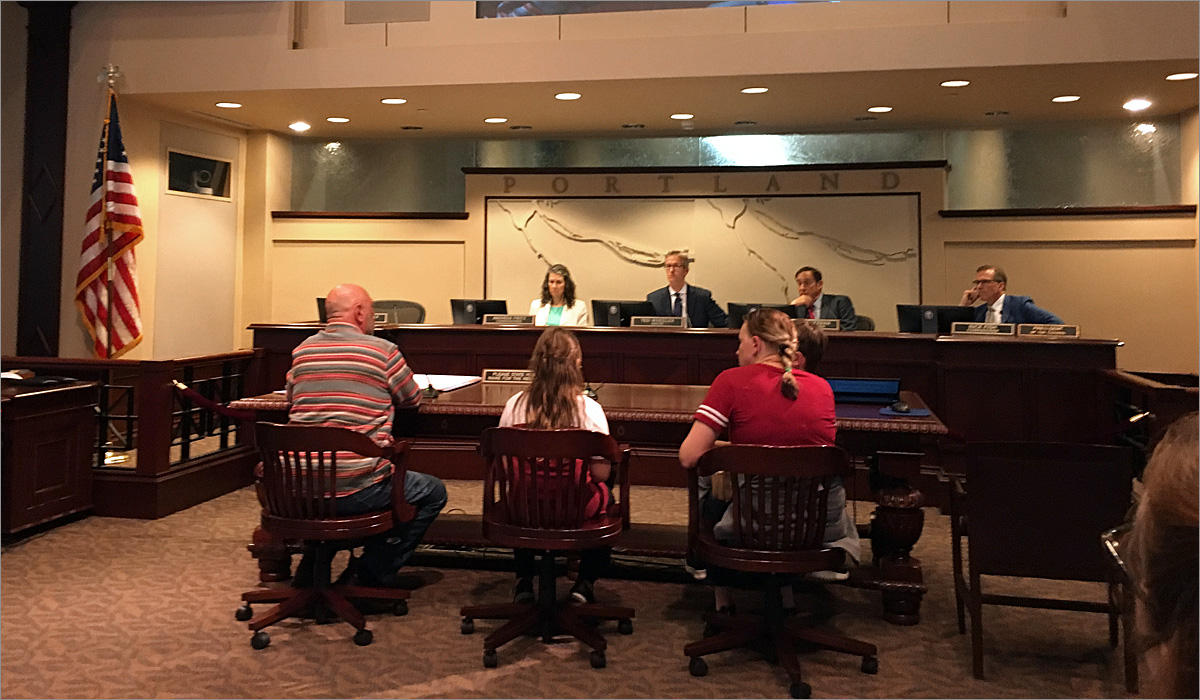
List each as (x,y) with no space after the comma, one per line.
(507,320)
(825,324)
(1047,330)
(508,376)
(972,328)
(381,317)
(656,321)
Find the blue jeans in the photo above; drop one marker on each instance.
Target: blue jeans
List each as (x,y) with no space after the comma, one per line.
(384,554)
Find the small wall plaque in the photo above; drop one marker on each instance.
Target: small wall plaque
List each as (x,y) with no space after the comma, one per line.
(508,376)
(656,321)
(825,324)
(1047,330)
(507,320)
(972,328)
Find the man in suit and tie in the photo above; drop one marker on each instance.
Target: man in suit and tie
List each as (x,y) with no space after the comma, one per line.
(821,305)
(990,287)
(694,304)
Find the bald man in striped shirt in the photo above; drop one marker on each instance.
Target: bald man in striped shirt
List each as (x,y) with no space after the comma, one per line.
(346,377)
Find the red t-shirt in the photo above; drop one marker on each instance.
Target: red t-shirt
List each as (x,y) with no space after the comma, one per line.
(748,402)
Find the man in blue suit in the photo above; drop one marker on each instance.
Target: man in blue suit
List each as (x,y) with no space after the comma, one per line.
(990,287)
(821,305)
(679,298)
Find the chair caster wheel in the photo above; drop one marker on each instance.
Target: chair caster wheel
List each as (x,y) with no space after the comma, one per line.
(697,667)
(870,664)
(625,626)
(243,613)
(363,637)
(400,608)
(467,626)
(800,689)
(260,640)
(598,659)
(490,660)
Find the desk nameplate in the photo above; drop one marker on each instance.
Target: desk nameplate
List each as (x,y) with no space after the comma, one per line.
(656,321)
(507,320)
(973,328)
(825,324)
(1047,330)
(507,376)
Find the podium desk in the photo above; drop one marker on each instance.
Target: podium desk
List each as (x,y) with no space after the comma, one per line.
(653,419)
(982,387)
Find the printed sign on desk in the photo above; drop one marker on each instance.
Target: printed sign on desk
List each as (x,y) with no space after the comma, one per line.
(973,328)
(1047,330)
(507,320)
(825,324)
(656,321)
(508,376)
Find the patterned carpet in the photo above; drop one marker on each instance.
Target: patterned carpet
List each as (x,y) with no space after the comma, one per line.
(106,607)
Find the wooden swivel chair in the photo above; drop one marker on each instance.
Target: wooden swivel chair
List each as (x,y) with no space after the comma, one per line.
(1036,510)
(534,495)
(779,505)
(297,492)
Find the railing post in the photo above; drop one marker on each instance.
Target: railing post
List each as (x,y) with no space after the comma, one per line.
(154,404)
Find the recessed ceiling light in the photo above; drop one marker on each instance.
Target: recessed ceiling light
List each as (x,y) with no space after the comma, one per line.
(333,146)
(633,126)
(337,120)
(745,122)
(412,127)
(567,96)
(299,126)
(683,115)
(879,109)
(1145,128)
(229,105)
(1182,76)
(393,101)
(753,90)
(1065,98)
(517,127)
(496,120)
(955,83)
(1137,104)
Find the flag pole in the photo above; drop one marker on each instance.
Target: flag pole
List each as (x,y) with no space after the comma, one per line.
(111,73)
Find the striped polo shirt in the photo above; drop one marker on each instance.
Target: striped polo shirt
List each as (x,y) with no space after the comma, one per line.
(343,378)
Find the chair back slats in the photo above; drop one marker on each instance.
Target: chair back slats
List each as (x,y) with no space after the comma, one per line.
(1038,509)
(780,494)
(537,481)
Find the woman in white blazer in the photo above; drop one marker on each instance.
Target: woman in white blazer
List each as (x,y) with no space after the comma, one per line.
(558,305)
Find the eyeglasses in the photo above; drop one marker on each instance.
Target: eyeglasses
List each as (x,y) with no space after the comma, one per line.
(976,283)
(671,266)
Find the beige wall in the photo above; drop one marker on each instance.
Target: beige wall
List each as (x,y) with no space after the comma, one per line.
(12,115)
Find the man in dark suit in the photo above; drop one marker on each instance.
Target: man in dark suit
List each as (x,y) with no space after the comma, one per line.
(821,305)
(681,299)
(990,287)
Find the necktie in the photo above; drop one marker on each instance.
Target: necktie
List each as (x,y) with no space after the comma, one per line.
(677,305)
(810,312)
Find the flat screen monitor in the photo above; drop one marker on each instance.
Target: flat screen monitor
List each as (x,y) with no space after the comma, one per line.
(864,390)
(737,312)
(471,311)
(617,312)
(321,310)
(930,318)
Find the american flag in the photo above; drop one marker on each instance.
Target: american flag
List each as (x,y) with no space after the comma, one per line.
(114,227)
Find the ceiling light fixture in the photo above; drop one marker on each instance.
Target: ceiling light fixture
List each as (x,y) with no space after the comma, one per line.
(1145,129)
(495,120)
(1065,98)
(337,120)
(229,105)
(753,90)
(393,101)
(880,109)
(1182,76)
(299,126)
(683,115)
(1137,104)
(955,83)
(566,96)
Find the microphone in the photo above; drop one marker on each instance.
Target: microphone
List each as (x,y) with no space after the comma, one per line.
(430,391)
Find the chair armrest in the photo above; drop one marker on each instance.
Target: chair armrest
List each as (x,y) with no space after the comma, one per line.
(402,510)
(623,486)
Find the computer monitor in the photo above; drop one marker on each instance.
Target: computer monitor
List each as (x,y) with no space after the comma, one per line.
(471,311)
(618,312)
(321,310)
(931,318)
(737,312)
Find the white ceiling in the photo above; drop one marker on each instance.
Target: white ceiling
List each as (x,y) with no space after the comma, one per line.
(798,103)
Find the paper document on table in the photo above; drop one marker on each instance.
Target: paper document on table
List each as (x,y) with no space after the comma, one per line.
(445,382)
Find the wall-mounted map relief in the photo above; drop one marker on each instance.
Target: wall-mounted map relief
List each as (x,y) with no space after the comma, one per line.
(743,249)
